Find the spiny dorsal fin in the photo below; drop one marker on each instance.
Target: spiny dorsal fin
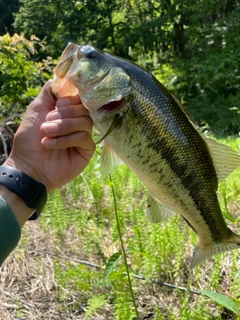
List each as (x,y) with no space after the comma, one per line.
(156,211)
(225,159)
(109,160)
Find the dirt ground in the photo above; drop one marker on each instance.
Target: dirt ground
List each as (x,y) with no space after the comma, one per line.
(29,290)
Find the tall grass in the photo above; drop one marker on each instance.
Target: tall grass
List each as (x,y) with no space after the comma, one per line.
(82,220)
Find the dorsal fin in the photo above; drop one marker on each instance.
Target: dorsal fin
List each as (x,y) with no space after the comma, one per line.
(225,159)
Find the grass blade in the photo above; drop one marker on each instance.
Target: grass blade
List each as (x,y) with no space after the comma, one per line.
(222,300)
(123,249)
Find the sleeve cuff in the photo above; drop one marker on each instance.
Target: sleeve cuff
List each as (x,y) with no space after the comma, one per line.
(10,231)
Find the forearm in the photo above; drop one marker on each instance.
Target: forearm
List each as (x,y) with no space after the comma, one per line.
(13,214)
(20,210)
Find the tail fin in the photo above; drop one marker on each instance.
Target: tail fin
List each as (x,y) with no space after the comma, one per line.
(200,254)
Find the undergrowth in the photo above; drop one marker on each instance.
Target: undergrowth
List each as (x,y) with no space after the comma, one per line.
(85,207)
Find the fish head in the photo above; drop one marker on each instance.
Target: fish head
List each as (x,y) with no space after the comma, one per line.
(100,82)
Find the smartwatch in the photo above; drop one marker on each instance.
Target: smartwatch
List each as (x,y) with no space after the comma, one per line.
(33,193)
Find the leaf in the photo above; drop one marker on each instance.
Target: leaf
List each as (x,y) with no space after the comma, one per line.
(94,303)
(237,275)
(110,184)
(222,300)
(111,265)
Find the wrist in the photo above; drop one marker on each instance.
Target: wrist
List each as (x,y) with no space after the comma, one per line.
(17,205)
(16,163)
(33,193)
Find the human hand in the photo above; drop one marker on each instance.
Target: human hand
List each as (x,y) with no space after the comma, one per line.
(53,145)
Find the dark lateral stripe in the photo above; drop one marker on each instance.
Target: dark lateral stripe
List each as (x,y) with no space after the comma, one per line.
(203,195)
(191,162)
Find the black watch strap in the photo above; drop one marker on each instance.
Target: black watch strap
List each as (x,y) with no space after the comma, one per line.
(33,193)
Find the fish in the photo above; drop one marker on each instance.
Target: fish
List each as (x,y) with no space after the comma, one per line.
(144,126)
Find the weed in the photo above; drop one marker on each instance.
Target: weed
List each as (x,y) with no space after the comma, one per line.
(81,217)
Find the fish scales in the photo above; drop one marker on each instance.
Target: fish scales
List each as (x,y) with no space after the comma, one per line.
(160,133)
(174,176)
(156,139)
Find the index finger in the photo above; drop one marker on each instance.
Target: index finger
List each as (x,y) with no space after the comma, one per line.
(68,101)
(68,111)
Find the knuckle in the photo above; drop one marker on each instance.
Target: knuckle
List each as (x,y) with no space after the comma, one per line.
(84,135)
(88,121)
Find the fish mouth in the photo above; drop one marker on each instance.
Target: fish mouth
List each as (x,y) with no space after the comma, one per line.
(112,105)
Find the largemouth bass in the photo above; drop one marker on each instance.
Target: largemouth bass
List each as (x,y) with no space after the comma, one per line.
(145,126)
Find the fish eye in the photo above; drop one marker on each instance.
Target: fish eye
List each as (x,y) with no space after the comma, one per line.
(91,55)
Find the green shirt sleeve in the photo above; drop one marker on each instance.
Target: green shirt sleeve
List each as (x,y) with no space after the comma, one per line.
(10,231)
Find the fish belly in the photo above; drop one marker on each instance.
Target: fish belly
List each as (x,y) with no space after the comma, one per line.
(169,169)
(172,160)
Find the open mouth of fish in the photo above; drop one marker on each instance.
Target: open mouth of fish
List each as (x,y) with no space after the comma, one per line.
(111,106)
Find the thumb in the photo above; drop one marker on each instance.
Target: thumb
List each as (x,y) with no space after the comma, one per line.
(45,100)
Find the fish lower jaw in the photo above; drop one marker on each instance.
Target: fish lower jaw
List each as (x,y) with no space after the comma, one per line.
(98,117)
(100,105)
(112,105)
(103,114)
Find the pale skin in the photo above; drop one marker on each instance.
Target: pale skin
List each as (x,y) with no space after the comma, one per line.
(52,145)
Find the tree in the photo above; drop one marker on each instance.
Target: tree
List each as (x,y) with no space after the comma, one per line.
(210,62)
(192,46)
(20,77)
(60,22)
(7,8)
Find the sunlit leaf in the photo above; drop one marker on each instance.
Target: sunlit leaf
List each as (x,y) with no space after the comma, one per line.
(222,300)
(111,265)
(237,275)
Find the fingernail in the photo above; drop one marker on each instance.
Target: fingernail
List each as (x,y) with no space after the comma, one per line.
(49,142)
(50,127)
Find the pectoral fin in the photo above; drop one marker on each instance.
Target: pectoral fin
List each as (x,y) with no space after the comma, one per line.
(225,159)
(156,211)
(109,160)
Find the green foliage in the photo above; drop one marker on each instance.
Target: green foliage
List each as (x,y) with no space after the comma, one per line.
(81,217)
(197,40)
(111,265)
(20,77)
(94,303)
(64,21)
(209,66)
(222,300)
(7,8)
(191,46)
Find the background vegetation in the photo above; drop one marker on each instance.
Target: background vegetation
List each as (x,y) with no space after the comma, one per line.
(192,47)
(69,263)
